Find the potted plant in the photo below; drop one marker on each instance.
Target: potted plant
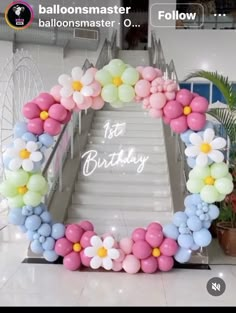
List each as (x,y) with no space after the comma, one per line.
(226,225)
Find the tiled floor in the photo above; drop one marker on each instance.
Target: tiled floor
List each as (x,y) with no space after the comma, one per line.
(52,285)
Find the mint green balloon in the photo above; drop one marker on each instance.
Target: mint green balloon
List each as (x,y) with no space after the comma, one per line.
(103,77)
(195,185)
(32,198)
(209,194)
(130,76)
(16,202)
(201,172)
(8,190)
(220,198)
(224,185)
(219,170)
(117,104)
(36,183)
(110,93)
(126,93)
(44,191)
(229,176)
(18,178)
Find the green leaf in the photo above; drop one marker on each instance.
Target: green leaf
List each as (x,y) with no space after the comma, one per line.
(228,119)
(221,82)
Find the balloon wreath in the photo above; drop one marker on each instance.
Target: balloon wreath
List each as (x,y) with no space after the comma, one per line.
(151,249)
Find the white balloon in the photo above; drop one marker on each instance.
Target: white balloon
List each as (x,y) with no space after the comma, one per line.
(31,146)
(202,159)
(216,156)
(90,252)
(66,92)
(87,79)
(208,135)
(218,143)
(78,97)
(96,242)
(15,164)
(19,144)
(64,79)
(96,262)
(113,254)
(77,73)
(36,156)
(87,91)
(27,165)
(107,263)
(195,139)
(108,242)
(192,151)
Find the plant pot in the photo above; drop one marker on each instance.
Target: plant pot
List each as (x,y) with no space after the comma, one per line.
(227,237)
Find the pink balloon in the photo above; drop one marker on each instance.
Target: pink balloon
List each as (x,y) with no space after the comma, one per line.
(44,101)
(159,72)
(68,103)
(35,126)
(165,263)
(179,125)
(184,96)
(63,247)
(52,127)
(31,110)
(140,69)
(154,89)
(137,99)
(85,239)
(170,95)
(149,265)
(173,109)
(142,88)
(171,87)
(55,92)
(149,73)
(159,88)
(146,101)
(138,234)
(196,121)
(157,100)
(84,259)
(86,225)
(96,88)
(97,103)
(92,70)
(68,117)
(72,261)
(57,112)
(86,104)
(74,233)
(199,104)
(155,113)
(121,257)
(116,266)
(168,247)
(126,244)
(141,249)
(154,237)
(155,226)
(131,264)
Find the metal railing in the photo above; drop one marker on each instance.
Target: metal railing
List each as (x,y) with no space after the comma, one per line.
(64,144)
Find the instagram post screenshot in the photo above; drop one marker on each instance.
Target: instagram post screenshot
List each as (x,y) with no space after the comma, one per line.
(117,153)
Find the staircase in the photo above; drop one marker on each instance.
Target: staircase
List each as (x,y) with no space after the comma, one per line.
(118,199)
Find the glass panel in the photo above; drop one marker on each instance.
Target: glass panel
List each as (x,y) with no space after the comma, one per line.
(217,95)
(202,89)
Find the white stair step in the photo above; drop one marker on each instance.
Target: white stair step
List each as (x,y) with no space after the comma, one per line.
(118,114)
(157,203)
(127,119)
(126,140)
(117,189)
(114,148)
(134,127)
(126,178)
(100,132)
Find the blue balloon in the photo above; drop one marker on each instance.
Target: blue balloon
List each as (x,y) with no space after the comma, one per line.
(50,255)
(183,255)
(46,140)
(38,210)
(46,217)
(19,129)
(36,247)
(202,237)
(206,224)
(27,210)
(16,217)
(191,162)
(171,231)
(29,137)
(193,199)
(42,239)
(33,222)
(208,125)
(30,235)
(23,228)
(6,161)
(191,210)
(58,231)
(36,236)
(49,244)
(194,223)
(195,247)
(179,218)
(185,241)
(185,136)
(45,230)
(213,212)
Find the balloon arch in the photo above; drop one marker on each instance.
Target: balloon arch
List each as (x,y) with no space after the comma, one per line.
(149,250)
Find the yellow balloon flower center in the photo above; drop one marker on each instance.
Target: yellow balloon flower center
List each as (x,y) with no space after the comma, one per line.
(209,180)
(187,110)
(44,115)
(24,154)
(102,252)
(77,85)
(205,147)
(22,190)
(117,81)
(156,252)
(77,247)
